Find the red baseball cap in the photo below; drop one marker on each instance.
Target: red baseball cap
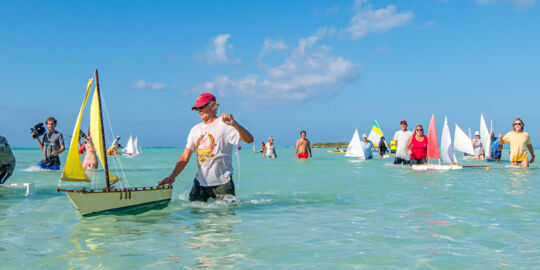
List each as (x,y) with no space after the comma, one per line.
(403,122)
(203,99)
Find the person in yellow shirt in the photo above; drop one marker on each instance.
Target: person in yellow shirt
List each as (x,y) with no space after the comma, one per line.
(519,143)
(393,146)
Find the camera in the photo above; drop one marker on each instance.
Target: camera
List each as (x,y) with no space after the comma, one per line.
(81,134)
(37,130)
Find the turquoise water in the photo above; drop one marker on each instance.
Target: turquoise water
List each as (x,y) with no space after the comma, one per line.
(325,213)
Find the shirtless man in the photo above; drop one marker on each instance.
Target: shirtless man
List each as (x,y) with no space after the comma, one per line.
(302,147)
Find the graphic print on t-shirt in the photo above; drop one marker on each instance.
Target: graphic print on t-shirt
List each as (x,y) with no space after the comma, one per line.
(205,147)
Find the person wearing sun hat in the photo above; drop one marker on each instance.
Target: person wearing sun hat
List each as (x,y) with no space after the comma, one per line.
(213,141)
(477,145)
(366,147)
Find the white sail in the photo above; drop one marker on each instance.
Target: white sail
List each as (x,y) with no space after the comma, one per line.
(129,149)
(485,137)
(136,146)
(462,142)
(355,147)
(447,151)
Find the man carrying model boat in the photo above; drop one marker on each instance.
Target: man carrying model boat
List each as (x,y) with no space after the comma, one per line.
(213,140)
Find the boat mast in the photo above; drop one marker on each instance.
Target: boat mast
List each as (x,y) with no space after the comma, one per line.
(106,165)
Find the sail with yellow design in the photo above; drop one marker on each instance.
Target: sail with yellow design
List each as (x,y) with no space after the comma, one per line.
(97,132)
(90,201)
(73,171)
(375,134)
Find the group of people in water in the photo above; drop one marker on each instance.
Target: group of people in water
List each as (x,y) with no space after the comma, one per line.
(412,146)
(213,140)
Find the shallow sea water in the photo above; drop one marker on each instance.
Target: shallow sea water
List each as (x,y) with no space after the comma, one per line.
(330,212)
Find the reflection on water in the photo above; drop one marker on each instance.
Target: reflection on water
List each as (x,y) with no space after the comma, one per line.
(329,212)
(213,237)
(520,181)
(98,235)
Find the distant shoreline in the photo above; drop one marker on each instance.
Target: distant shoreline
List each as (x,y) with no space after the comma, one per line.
(330,145)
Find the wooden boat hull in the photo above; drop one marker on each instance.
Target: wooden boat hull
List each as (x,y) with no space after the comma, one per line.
(90,202)
(435,167)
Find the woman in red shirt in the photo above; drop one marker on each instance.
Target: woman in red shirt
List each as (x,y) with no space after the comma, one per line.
(417,146)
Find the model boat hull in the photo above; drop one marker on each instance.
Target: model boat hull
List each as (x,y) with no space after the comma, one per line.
(426,167)
(90,202)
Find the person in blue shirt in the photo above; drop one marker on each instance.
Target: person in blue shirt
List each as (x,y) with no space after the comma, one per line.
(496,148)
(367,146)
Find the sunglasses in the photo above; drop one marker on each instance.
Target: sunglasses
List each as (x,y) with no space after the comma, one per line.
(518,124)
(419,129)
(202,107)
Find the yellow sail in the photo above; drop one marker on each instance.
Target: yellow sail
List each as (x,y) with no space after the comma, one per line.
(73,171)
(96,130)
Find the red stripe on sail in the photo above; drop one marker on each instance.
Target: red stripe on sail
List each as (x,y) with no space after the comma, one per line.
(433,145)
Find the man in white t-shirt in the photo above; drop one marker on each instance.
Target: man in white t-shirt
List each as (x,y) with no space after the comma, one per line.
(402,137)
(213,141)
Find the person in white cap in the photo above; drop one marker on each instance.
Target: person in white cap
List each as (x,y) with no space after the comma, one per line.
(367,146)
(213,141)
(477,146)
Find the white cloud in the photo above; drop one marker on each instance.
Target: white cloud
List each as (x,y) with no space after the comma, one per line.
(428,24)
(381,51)
(216,52)
(309,72)
(142,84)
(332,10)
(517,4)
(269,46)
(366,20)
(273,45)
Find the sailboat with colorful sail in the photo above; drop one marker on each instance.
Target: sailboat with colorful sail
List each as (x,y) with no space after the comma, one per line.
(110,198)
(355,147)
(445,154)
(375,134)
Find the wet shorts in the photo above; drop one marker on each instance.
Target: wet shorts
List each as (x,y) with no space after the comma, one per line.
(49,167)
(200,193)
(399,160)
(419,161)
(303,155)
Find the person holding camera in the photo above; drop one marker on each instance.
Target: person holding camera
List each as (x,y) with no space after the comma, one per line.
(52,146)
(7,160)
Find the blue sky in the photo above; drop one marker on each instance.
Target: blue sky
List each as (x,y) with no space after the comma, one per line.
(278,66)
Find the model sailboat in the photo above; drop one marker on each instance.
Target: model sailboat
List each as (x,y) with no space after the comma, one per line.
(445,154)
(132,147)
(93,201)
(375,134)
(355,147)
(485,137)
(462,142)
